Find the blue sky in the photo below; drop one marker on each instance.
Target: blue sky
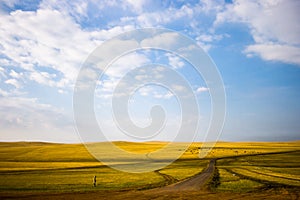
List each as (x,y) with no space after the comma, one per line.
(254,44)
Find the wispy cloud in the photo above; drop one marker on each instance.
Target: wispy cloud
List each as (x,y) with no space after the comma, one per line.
(27,119)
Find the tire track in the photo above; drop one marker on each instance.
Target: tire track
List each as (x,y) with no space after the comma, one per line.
(168,179)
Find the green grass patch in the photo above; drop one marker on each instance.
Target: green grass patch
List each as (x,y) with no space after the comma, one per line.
(232,182)
(241,185)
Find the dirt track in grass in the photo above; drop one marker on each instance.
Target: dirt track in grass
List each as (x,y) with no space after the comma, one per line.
(195,183)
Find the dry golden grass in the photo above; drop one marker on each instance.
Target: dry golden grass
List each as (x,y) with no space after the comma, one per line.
(69,167)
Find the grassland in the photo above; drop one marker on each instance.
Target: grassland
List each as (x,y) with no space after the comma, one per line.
(69,167)
(56,168)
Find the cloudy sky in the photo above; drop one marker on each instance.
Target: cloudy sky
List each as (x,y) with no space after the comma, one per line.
(254,44)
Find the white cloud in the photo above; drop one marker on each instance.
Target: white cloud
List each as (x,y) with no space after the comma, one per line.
(29,38)
(5,62)
(14,74)
(156,14)
(202,89)
(2,72)
(162,40)
(43,78)
(175,61)
(166,95)
(105,91)
(3,93)
(104,34)
(179,88)
(145,91)
(126,63)
(137,5)
(118,69)
(13,82)
(140,77)
(60,91)
(153,91)
(49,39)
(273,25)
(275,52)
(108,85)
(76,8)
(206,40)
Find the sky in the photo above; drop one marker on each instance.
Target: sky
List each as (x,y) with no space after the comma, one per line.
(254,44)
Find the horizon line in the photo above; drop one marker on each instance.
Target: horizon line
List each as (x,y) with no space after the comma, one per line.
(154,141)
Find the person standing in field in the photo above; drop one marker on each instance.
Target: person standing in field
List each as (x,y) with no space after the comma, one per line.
(95,181)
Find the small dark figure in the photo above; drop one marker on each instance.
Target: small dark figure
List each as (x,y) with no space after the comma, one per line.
(95,181)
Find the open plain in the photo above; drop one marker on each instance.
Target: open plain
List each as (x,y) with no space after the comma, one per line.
(232,170)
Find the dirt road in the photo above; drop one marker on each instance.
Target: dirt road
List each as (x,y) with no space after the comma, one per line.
(192,184)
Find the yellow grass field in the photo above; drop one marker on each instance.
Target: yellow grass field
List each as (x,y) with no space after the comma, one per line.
(59,168)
